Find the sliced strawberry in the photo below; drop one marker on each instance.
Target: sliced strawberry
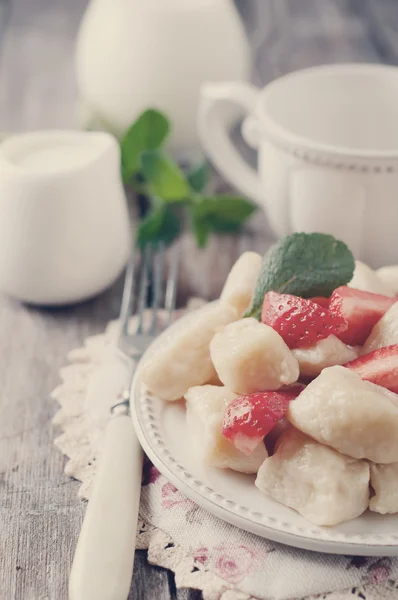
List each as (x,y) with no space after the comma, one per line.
(247,419)
(298,321)
(361,310)
(379,366)
(321,301)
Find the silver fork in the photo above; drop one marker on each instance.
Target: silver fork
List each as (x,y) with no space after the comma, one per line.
(104,557)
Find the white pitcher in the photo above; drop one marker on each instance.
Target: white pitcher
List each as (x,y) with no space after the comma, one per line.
(135,54)
(327,140)
(64,227)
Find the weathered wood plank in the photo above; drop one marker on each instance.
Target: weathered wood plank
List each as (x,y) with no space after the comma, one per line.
(148,581)
(39,512)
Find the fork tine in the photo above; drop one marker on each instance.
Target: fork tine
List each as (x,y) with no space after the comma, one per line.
(152,268)
(171,288)
(144,282)
(126,308)
(157,286)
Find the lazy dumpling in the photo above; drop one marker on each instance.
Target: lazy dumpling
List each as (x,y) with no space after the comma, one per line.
(367,280)
(389,276)
(355,417)
(384,481)
(239,286)
(183,360)
(205,411)
(250,357)
(326,353)
(324,486)
(385,332)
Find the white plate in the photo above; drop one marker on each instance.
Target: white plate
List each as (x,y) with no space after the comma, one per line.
(233,497)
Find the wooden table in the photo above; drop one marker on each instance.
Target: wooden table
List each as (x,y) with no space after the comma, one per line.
(40,515)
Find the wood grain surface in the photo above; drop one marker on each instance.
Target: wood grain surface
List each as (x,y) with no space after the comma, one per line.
(40,515)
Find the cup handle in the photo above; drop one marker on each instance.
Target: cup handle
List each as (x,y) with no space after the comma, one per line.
(216,101)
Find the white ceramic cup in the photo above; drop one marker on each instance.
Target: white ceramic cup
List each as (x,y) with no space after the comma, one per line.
(64,227)
(327,140)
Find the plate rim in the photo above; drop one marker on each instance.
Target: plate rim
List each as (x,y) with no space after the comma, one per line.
(320,539)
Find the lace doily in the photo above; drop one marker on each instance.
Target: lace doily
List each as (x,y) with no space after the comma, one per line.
(203,552)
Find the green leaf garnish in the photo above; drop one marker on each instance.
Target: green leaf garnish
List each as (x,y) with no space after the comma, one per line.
(225,212)
(146,133)
(161,224)
(164,175)
(156,176)
(150,225)
(303,264)
(222,214)
(201,231)
(198,177)
(171,226)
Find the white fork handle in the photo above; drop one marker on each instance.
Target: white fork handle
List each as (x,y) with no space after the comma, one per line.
(104,558)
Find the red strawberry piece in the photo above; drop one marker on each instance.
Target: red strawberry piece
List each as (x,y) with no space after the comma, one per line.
(379,366)
(321,301)
(361,310)
(298,321)
(247,419)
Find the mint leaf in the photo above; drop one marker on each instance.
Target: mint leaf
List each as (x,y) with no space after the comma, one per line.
(201,232)
(171,226)
(303,264)
(221,214)
(162,224)
(225,210)
(219,226)
(166,178)
(150,225)
(198,177)
(146,133)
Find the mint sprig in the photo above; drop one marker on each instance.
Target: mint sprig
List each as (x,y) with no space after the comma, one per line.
(174,196)
(165,178)
(198,177)
(219,214)
(161,224)
(303,264)
(147,133)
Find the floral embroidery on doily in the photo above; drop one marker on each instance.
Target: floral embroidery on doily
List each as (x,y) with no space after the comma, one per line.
(230,564)
(218,569)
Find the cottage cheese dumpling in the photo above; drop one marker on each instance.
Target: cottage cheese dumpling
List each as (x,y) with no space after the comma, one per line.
(355,417)
(183,359)
(389,276)
(367,280)
(325,353)
(324,486)
(250,357)
(239,286)
(384,481)
(385,332)
(205,411)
